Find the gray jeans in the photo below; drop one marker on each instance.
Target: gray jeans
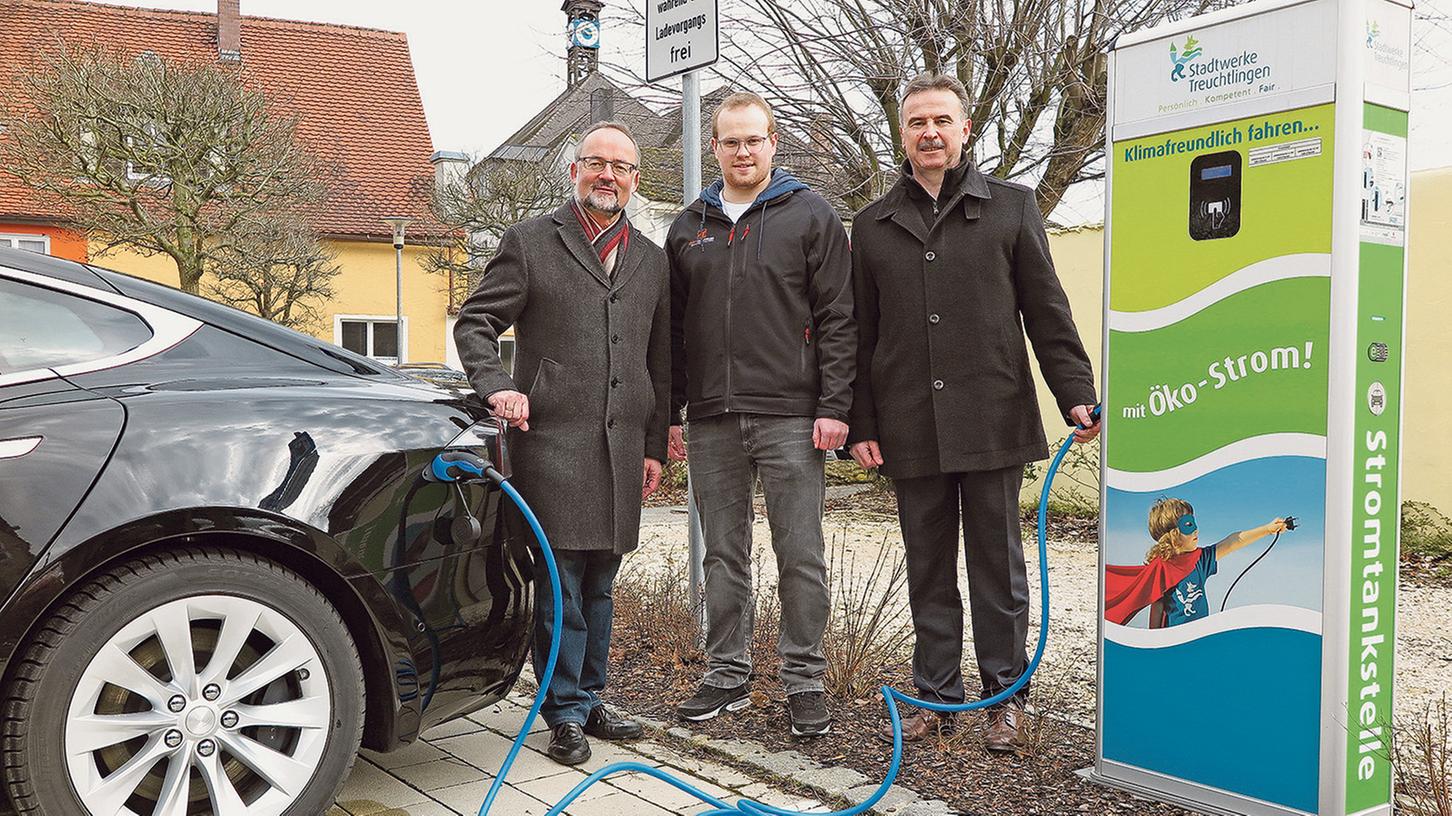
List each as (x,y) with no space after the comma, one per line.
(726,454)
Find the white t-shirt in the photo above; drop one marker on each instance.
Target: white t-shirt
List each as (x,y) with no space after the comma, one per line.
(733,210)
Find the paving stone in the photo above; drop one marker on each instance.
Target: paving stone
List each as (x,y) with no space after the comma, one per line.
(506,719)
(370,789)
(785,763)
(441,773)
(767,795)
(664,793)
(420,809)
(897,796)
(618,803)
(411,754)
(553,788)
(467,799)
(486,750)
(835,781)
(452,728)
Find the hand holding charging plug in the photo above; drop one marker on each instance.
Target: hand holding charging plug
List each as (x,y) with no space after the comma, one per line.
(510,406)
(1086,419)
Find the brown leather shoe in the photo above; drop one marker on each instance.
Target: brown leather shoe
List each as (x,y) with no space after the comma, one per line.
(1005,728)
(919,726)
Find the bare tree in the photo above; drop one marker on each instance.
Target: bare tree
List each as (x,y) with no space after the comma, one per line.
(284,274)
(165,158)
(1035,69)
(476,208)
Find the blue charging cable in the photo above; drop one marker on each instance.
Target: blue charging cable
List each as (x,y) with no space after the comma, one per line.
(454,466)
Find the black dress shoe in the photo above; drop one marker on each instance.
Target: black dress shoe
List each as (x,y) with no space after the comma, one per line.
(606,725)
(568,745)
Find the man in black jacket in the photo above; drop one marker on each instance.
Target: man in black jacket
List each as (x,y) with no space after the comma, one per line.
(947,267)
(763,350)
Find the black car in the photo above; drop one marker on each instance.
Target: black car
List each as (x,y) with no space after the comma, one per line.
(220,566)
(450,379)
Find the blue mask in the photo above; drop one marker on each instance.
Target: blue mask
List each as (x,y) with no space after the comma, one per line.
(1186,524)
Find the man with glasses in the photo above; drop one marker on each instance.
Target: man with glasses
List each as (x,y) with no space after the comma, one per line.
(763,351)
(589,297)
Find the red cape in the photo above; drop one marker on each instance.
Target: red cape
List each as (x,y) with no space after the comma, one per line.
(1128,589)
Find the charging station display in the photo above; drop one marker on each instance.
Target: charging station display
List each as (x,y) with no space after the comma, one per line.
(1255,241)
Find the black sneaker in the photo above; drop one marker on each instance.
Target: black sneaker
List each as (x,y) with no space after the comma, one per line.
(809,715)
(710,701)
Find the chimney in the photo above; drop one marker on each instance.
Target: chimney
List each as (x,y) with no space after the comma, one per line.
(229,30)
(583,55)
(449,167)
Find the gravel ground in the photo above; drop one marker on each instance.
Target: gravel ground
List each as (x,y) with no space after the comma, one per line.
(1424,621)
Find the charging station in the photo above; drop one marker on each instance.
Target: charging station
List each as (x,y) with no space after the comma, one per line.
(1255,271)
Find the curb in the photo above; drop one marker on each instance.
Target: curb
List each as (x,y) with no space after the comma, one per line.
(828,782)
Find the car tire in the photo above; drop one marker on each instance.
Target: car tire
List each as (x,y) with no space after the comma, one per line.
(272,730)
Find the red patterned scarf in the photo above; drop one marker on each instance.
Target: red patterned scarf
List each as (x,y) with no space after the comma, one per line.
(606,240)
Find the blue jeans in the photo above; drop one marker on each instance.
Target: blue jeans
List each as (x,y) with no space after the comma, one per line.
(586,580)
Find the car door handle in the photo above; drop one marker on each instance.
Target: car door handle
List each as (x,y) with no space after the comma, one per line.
(16,448)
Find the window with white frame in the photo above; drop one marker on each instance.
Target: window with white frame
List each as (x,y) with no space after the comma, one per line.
(373,336)
(34,243)
(506,354)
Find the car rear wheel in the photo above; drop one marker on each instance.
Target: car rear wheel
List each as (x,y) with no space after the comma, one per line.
(188,682)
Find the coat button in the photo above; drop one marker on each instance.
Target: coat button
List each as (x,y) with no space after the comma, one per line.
(614,382)
(933,318)
(937,385)
(610,423)
(614,297)
(614,338)
(931,255)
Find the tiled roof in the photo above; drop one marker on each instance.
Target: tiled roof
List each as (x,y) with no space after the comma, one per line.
(659,136)
(352,91)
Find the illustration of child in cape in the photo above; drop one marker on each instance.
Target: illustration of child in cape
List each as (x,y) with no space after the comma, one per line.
(1172,579)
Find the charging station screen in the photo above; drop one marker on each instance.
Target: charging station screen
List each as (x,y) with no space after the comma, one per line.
(1215,172)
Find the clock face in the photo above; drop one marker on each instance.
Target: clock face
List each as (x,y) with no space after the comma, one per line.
(585,33)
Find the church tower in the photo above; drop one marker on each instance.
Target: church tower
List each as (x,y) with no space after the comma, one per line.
(583,57)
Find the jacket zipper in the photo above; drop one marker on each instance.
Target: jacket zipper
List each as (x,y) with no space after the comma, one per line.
(730,276)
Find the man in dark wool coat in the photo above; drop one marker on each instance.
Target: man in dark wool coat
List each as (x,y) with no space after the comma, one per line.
(950,269)
(589,298)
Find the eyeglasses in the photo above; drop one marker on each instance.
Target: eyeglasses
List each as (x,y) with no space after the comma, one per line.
(1186,524)
(595,164)
(753,144)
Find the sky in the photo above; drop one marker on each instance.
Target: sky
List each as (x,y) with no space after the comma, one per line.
(485,67)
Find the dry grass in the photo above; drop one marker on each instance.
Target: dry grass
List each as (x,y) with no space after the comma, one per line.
(868,627)
(1423,762)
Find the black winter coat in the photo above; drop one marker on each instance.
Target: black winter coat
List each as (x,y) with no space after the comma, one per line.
(761,310)
(943,380)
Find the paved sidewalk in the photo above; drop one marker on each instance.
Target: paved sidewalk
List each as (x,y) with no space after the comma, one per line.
(448,772)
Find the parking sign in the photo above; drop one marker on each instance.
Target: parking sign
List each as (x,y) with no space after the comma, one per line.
(680,36)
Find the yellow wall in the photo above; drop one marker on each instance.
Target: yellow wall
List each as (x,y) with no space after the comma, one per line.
(365,286)
(1427,431)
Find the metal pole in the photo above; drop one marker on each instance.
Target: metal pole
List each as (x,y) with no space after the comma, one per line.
(398,299)
(690,189)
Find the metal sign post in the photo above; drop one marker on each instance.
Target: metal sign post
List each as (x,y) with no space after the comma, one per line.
(682,36)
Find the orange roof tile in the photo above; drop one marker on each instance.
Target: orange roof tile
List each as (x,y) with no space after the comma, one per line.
(351,89)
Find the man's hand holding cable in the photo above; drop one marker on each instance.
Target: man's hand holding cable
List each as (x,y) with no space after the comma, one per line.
(512,407)
(1084,418)
(829,434)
